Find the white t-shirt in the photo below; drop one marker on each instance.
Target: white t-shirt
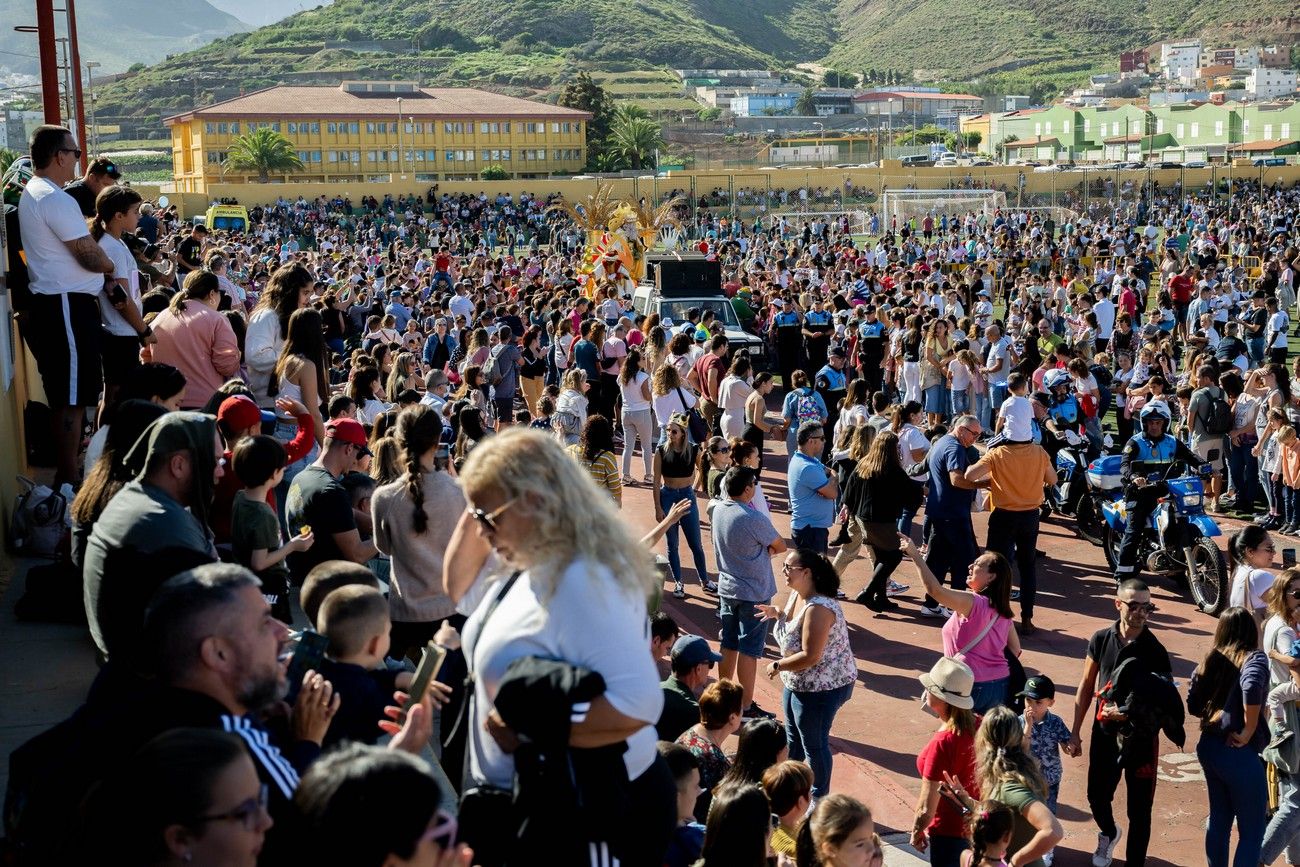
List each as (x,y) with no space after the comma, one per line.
(589,621)
(124,268)
(1277,326)
(1249,586)
(960,375)
(49,217)
(999,364)
(1017,414)
(633,399)
(911,438)
(667,404)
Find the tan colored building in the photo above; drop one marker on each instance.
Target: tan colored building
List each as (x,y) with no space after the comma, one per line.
(382,131)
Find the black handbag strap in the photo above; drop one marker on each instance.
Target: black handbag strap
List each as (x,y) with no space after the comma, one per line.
(469,655)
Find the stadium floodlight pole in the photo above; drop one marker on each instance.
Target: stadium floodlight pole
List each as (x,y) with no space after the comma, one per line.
(44,31)
(90,85)
(78,105)
(821,138)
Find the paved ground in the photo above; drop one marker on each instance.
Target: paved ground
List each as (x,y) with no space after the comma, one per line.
(45,669)
(880,731)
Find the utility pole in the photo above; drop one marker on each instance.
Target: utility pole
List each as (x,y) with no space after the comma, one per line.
(401,162)
(90,85)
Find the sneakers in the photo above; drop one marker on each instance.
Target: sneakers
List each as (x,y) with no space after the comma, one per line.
(1106,848)
(1015,594)
(679,592)
(896,589)
(935,610)
(756,712)
(711,587)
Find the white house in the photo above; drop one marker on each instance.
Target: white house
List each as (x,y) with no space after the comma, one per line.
(1266,83)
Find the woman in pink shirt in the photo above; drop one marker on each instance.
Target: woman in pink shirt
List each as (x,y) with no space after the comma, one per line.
(194,338)
(981,628)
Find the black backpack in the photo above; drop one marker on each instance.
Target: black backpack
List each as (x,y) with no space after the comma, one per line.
(1219,420)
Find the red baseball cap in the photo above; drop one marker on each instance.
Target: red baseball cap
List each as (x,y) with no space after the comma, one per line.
(349,431)
(239,412)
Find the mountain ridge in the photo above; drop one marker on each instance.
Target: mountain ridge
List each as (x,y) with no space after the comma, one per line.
(532,47)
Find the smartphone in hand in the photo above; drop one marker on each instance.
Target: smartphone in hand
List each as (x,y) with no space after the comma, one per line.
(430,663)
(307,656)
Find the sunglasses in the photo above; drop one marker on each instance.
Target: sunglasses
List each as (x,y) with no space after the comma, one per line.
(442,832)
(488,520)
(1293,594)
(76,152)
(721,451)
(1147,607)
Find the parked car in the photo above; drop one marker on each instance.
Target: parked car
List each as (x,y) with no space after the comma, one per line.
(1167,164)
(1196,164)
(981,163)
(1045,170)
(917,161)
(1270,161)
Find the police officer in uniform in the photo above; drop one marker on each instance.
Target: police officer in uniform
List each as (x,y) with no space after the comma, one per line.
(832,383)
(1151,451)
(789,341)
(817,331)
(1063,410)
(872,338)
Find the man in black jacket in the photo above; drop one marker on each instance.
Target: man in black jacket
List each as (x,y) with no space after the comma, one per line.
(1127,638)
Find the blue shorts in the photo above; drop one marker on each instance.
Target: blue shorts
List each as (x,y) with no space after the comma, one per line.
(742,630)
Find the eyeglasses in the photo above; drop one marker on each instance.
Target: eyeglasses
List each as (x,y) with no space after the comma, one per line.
(488,520)
(76,152)
(1144,607)
(790,567)
(248,813)
(443,831)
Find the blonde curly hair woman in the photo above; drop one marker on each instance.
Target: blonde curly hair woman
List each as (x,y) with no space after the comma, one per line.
(579,596)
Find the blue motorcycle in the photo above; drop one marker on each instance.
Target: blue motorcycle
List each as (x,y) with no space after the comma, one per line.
(1073,494)
(1177,541)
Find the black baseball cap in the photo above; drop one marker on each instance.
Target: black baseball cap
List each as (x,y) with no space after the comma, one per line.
(1038,687)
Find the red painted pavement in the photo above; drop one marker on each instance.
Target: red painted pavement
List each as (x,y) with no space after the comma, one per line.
(878,734)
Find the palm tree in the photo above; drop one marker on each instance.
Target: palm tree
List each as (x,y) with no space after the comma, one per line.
(635,139)
(264,151)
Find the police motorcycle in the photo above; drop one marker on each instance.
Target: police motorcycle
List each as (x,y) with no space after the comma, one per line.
(1176,538)
(1071,496)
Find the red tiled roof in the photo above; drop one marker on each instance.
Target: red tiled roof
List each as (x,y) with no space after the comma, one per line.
(1270,144)
(1031,142)
(286,101)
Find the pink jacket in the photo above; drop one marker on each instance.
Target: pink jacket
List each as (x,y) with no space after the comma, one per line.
(201,344)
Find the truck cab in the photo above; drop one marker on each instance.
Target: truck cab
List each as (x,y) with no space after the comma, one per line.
(676,283)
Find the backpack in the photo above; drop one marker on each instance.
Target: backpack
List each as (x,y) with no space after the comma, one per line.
(806,409)
(39,519)
(1219,420)
(493,371)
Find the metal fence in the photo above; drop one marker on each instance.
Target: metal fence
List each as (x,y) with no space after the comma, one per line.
(1095,193)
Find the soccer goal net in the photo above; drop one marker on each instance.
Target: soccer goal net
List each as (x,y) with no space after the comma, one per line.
(840,222)
(901,206)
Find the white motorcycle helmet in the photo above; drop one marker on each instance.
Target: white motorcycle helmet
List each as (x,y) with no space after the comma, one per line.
(1054,378)
(1155,409)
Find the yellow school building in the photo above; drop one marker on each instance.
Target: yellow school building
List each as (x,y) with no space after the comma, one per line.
(363,131)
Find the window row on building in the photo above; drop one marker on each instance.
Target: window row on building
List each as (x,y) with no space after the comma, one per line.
(391,127)
(414,156)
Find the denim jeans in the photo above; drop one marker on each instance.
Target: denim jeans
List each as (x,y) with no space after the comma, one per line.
(1283,833)
(997,394)
(1234,777)
(815,538)
(1255,348)
(988,694)
(960,401)
(1243,470)
(982,409)
(952,550)
(690,525)
(808,718)
(1014,535)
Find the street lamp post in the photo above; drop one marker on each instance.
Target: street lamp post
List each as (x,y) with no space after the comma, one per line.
(91,65)
(821,139)
(401,162)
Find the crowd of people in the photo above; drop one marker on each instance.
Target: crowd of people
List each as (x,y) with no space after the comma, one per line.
(382,427)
